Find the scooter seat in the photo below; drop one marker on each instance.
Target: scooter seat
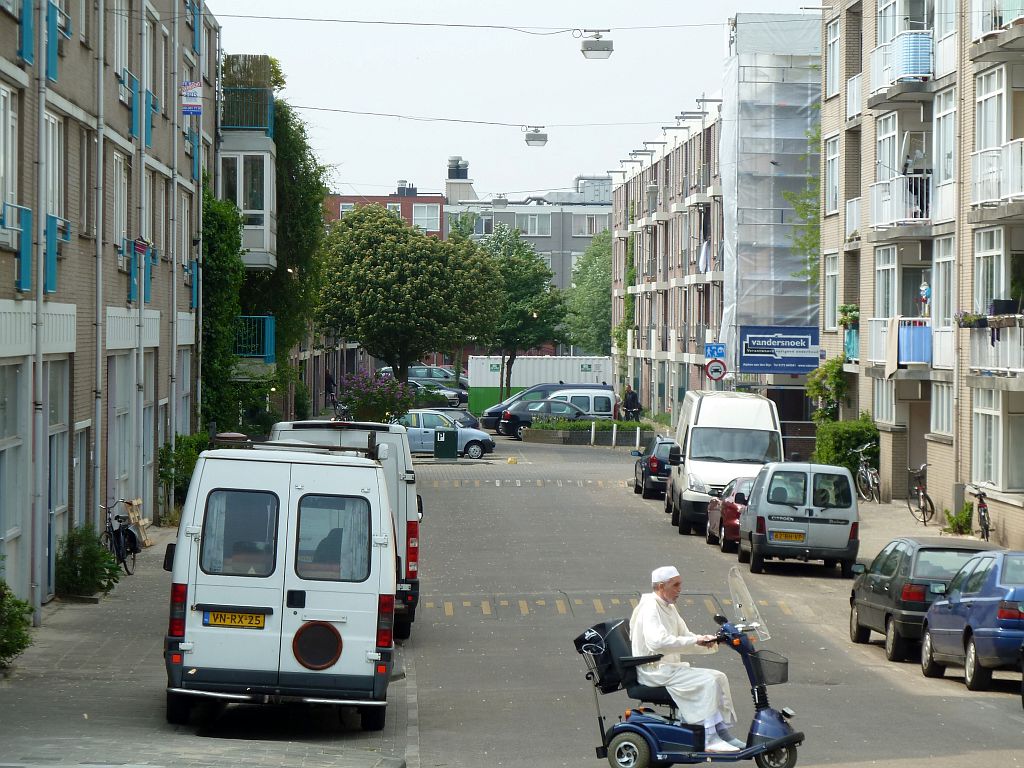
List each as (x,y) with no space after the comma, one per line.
(650,694)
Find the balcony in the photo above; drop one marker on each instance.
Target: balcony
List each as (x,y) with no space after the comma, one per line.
(853,218)
(907,58)
(854,99)
(248,109)
(997,174)
(989,17)
(1001,355)
(851,344)
(254,338)
(914,340)
(901,201)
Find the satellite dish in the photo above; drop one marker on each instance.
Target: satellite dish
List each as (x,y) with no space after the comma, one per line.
(743,606)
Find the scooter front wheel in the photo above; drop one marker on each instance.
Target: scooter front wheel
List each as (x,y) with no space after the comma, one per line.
(629,750)
(784,757)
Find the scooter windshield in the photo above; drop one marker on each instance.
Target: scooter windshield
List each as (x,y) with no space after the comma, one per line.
(744,609)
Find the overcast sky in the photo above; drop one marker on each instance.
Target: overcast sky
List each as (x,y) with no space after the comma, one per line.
(493,75)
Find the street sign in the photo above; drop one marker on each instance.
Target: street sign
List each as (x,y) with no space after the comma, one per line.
(712,351)
(778,349)
(191,97)
(715,369)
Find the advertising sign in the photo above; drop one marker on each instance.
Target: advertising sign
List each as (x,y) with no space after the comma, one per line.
(191,98)
(778,349)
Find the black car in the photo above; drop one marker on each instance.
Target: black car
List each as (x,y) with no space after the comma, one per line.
(460,415)
(892,595)
(651,470)
(522,414)
(491,417)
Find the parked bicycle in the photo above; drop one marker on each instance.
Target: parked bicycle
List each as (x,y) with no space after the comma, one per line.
(120,537)
(982,509)
(341,411)
(918,500)
(866,479)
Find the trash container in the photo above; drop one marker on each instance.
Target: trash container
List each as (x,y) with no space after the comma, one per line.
(446,443)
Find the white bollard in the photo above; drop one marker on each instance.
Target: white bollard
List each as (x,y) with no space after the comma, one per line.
(638,438)
(615,430)
(593,432)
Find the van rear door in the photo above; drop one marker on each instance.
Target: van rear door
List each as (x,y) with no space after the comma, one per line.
(784,512)
(831,511)
(332,581)
(236,565)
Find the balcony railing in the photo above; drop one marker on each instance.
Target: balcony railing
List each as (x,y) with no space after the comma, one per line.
(914,340)
(852,217)
(248,109)
(851,344)
(254,337)
(1002,354)
(908,56)
(901,200)
(854,98)
(997,173)
(943,340)
(989,16)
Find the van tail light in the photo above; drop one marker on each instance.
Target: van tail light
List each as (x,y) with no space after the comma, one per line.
(854,531)
(176,623)
(762,529)
(385,621)
(653,464)
(1010,610)
(913,593)
(412,550)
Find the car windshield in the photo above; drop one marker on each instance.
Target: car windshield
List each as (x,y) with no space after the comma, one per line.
(939,563)
(740,446)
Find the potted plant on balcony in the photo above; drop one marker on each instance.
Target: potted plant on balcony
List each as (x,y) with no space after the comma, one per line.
(849,316)
(970,320)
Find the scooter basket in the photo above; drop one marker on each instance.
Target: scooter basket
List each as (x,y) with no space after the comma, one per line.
(770,668)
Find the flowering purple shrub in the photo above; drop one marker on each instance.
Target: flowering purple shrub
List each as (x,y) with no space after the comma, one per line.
(375,398)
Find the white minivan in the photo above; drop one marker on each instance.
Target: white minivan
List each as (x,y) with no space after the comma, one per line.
(406,504)
(598,403)
(283,581)
(721,436)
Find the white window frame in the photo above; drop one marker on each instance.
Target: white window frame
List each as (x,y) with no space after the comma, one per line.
(942,408)
(8,157)
(945,136)
(885,22)
(588,224)
(832,174)
(887,147)
(986,438)
(344,208)
(56,172)
(484,224)
(989,267)
(87,182)
(883,400)
(185,230)
(13,456)
(944,277)
(886,284)
(120,437)
(164,69)
(534,224)
(831,316)
(832,58)
(119,15)
(945,18)
(57,408)
(395,208)
(119,214)
(990,109)
(183,415)
(427,216)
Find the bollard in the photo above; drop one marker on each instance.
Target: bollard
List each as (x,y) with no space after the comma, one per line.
(593,432)
(615,430)
(638,438)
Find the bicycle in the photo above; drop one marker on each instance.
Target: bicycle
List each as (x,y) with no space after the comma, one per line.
(121,541)
(983,518)
(866,479)
(341,411)
(918,500)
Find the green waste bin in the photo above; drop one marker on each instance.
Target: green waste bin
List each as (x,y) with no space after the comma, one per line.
(446,443)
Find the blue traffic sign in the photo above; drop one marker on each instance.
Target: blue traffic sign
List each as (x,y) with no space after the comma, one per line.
(778,349)
(712,351)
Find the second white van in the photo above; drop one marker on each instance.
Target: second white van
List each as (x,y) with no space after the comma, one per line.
(721,436)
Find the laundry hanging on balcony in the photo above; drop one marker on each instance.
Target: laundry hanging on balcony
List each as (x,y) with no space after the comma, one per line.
(704,262)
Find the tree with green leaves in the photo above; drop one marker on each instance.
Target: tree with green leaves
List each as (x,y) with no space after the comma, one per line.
(390,287)
(589,318)
(463,224)
(476,280)
(223,275)
(807,206)
(533,311)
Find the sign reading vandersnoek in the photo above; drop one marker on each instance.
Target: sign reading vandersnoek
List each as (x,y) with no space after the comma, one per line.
(778,349)
(191,98)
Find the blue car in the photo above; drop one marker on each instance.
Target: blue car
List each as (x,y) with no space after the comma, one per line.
(978,623)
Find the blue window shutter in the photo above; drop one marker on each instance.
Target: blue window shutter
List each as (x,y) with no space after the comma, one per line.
(133,271)
(51,41)
(197,27)
(150,99)
(270,332)
(194,268)
(23,275)
(50,272)
(151,257)
(27,36)
(194,138)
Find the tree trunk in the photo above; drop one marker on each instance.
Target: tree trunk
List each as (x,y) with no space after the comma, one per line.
(508,372)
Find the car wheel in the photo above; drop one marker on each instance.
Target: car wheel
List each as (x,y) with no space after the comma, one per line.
(519,431)
(929,667)
(645,489)
(179,709)
(976,676)
(668,502)
(474,451)
(498,429)
(637,483)
(846,568)
(723,545)
(895,643)
(403,627)
(742,555)
(674,510)
(756,559)
(372,718)
(858,632)
(684,527)
(709,537)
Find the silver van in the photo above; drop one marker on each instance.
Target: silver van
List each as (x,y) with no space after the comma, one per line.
(801,511)
(598,403)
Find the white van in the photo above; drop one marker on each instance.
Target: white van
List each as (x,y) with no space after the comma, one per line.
(283,582)
(406,504)
(721,436)
(801,511)
(599,403)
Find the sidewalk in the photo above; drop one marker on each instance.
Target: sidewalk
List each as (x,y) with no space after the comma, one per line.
(881,523)
(90,690)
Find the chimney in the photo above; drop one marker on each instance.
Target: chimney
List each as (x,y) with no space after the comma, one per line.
(457,185)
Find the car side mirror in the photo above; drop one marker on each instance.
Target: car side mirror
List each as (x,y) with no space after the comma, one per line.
(937,589)
(741,499)
(169,557)
(673,455)
(715,492)
(636,453)
(857,568)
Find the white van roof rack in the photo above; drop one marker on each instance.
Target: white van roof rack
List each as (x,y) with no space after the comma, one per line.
(238,440)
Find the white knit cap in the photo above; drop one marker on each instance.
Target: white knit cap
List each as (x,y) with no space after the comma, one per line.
(666,572)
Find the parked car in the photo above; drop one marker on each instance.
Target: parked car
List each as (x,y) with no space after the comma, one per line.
(454,397)
(978,621)
(491,417)
(422,423)
(892,595)
(803,512)
(521,415)
(651,468)
(724,513)
(433,375)
(599,404)
(461,415)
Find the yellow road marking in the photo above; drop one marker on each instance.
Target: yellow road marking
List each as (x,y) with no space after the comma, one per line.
(540,483)
(476,483)
(429,605)
(577,601)
(785,608)
(466,603)
(762,602)
(486,606)
(503,603)
(600,483)
(710,605)
(560,604)
(598,605)
(449,610)
(541,602)
(616,601)
(524,607)
(633,601)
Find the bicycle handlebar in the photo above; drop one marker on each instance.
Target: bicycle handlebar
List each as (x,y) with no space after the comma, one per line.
(918,471)
(979,490)
(111,506)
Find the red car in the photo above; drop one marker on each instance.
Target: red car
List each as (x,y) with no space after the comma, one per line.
(724,514)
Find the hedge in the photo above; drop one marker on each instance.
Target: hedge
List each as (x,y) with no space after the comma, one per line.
(837,439)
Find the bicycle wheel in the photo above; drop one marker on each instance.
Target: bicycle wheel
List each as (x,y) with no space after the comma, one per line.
(107,543)
(912,499)
(984,522)
(127,554)
(863,483)
(927,507)
(876,485)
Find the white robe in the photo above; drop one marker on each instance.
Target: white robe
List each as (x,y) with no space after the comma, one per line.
(700,694)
